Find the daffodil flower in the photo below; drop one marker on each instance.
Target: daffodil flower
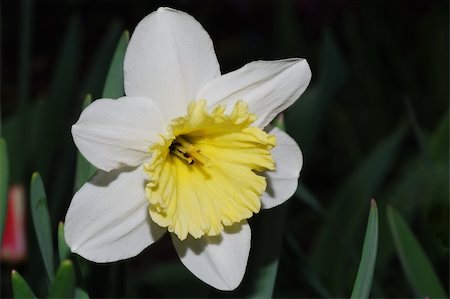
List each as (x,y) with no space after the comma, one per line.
(187,150)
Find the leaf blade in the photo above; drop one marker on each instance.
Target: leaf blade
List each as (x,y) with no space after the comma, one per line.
(364,182)
(84,169)
(53,119)
(94,81)
(41,223)
(262,269)
(64,284)
(114,86)
(304,118)
(81,294)
(363,282)
(415,263)
(20,286)
(63,248)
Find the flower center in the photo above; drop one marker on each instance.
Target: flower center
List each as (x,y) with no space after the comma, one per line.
(204,174)
(188,152)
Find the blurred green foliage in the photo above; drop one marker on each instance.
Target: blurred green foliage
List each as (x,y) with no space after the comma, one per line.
(374,122)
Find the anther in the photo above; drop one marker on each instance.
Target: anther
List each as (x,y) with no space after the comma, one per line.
(185,150)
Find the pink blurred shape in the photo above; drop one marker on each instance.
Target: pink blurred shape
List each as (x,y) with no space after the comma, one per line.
(14,243)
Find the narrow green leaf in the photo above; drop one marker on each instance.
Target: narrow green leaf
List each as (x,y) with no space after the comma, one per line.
(53,123)
(416,127)
(305,195)
(305,274)
(267,235)
(305,117)
(363,282)
(347,212)
(84,169)
(41,222)
(81,294)
(64,284)
(98,66)
(423,186)
(439,139)
(279,122)
(114,80)
(63,249)
(416,264)
(113,88)
(4,178)
(20,286)
(12,129)
(265,280)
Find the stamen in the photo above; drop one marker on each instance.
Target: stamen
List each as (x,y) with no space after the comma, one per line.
(191,200)
(201,158)
(185,150)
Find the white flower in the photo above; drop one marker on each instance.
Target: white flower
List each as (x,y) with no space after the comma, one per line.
(187,150)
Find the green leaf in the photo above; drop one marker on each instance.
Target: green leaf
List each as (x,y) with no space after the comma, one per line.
(41,222)
(305,117)
(347,212)
(64,284)
(20,286)
(84,169)
(267,235)
(114,80)
(52,124)
(363,283)
(63,249)
(279,122)
(416,264)
(419,187)
(4,178)
(305,195)
(416,128)
(99,64)
(439,139)
(12,132)
(305,274)
(81,294)
(113,89)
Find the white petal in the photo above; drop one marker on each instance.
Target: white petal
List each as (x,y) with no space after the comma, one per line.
(283,181)
(170,57)
(108,217)
(268,87)
(113,133)
(218,261)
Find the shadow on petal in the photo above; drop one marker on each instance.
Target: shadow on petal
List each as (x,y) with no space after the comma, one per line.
(219,261)
(104,178)
(269,189)
(197,246)
(108,218)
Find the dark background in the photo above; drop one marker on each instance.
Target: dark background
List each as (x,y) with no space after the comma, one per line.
(373,123)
